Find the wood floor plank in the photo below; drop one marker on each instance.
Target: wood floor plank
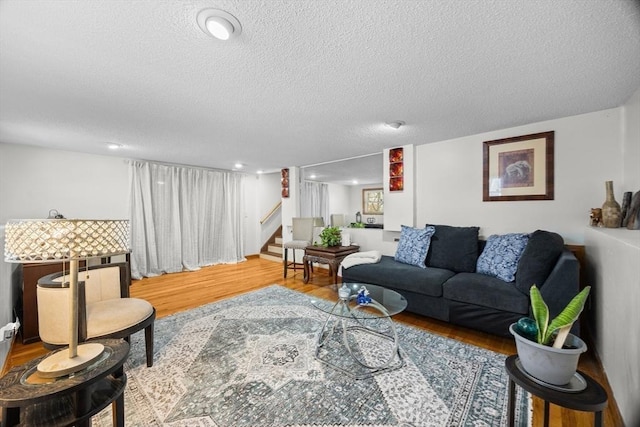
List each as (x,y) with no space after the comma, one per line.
(173,293)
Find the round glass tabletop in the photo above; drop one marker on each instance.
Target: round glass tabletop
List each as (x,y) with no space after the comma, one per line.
(392,301)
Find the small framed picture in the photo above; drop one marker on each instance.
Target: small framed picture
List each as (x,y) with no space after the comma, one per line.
(518,168)
(372,201)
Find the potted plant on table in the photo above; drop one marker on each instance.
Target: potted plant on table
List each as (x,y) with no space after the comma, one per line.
(330,236)
(548,351)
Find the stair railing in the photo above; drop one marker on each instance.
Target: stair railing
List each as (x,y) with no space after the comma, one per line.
(271,212)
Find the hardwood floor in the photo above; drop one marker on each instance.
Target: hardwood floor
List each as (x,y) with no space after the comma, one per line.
(172,293)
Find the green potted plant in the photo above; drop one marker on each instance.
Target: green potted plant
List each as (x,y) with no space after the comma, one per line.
(330,236)
(547,350)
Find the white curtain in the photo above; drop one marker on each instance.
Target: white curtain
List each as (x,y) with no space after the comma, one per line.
(183,218)
(314,200)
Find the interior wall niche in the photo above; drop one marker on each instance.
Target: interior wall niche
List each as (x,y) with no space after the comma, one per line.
(366,170)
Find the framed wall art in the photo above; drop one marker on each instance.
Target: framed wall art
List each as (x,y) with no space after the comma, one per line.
(396,169)
(373,201)
(518,168)
(284,180)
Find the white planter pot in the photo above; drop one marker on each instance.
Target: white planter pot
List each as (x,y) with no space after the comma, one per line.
(552,365)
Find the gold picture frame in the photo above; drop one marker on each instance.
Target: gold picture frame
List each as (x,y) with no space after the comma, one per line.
(518,168)
(372,201)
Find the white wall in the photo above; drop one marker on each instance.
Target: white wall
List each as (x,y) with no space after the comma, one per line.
(614,273)
(339,201)
(7,298)
(347,200)
(34,180)
(269,195)
(587,153)
(631,143)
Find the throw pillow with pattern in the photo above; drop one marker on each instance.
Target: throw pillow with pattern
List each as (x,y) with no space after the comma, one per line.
(501,255)
(414,245)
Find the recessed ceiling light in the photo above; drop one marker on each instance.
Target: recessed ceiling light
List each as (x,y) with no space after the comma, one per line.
(113,146)
(312,176)
(218,24)
(238,165)
(260,172)
(395,124)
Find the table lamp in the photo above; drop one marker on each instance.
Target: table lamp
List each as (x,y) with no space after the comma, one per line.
(60,240)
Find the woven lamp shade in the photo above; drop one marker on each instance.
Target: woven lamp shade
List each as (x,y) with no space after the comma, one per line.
(52,240)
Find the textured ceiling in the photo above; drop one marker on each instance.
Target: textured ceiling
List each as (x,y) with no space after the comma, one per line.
(306,82)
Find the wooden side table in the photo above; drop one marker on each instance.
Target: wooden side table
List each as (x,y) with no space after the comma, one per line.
(26,399)
(331,255)
(592,399)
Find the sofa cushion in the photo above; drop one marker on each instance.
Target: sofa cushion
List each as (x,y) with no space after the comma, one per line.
(404,277)
(454,248)
(413,245)
(501,255)
(486,291)
(538,259)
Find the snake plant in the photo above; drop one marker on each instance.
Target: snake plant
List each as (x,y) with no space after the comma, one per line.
(562,322)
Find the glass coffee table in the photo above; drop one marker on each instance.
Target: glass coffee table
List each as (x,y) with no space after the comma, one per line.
(359,338)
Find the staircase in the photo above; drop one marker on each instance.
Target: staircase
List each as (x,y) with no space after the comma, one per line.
(272,250)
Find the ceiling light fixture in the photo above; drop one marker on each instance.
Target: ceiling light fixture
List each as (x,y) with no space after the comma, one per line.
(396,124)
(113,146)
(238,165)
(219,24)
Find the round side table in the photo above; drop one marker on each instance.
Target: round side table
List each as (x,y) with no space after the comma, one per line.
(26,399)
(592,399)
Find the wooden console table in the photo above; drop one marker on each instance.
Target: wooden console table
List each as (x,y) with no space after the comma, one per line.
(26,399)
(331,255)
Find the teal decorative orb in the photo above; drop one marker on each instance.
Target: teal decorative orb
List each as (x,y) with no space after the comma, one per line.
(527,328)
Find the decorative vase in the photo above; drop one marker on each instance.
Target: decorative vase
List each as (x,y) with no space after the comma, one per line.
(611,213)
(624,211)
(633,215)
(551,365)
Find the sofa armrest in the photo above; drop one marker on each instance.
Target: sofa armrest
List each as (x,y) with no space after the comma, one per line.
(562,285)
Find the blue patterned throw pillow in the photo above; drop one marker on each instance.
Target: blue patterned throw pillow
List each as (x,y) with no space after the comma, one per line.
(414,245)
(501,255)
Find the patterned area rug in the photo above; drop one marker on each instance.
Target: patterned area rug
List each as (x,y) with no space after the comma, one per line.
(249,361)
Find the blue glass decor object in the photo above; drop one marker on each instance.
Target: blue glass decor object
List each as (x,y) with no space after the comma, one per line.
(363,297)
(527,328)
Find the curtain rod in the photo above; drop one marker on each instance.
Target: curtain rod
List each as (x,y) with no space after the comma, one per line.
(178,165)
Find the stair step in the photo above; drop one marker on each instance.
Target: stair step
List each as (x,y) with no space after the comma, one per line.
(279,240)
(275,249)
(271,256)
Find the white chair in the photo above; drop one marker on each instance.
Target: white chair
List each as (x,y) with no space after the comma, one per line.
(337,220)
(302,236)
(105,309)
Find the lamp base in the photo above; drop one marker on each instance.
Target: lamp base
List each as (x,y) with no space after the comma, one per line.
(60,364)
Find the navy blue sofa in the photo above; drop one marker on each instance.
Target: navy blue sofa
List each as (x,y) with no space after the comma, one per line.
(449,289)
